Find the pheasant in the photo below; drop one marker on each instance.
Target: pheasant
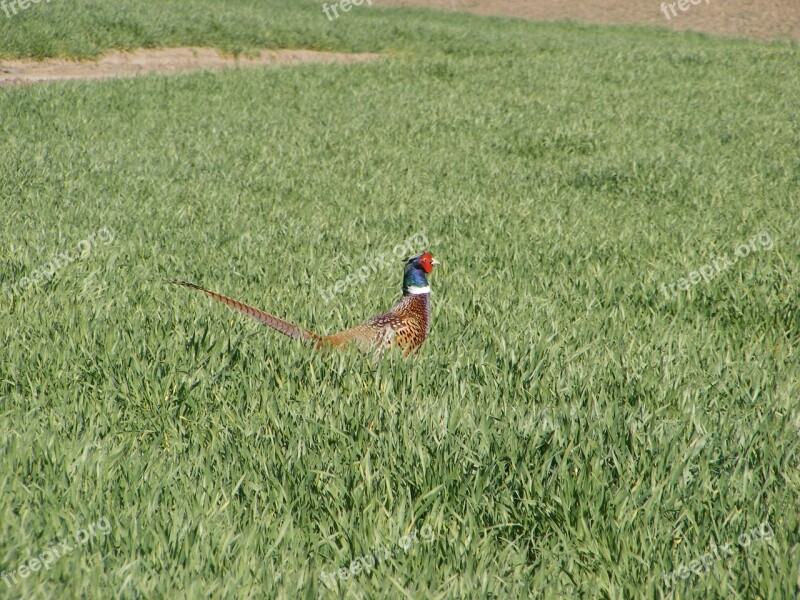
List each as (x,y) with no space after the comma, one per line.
(405,326)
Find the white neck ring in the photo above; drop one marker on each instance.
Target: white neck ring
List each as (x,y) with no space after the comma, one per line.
(416,290)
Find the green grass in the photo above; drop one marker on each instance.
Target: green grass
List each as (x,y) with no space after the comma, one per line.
(567,430)
(86,28)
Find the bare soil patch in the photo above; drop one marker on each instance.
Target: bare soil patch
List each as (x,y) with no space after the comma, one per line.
(166,60)
(757,19)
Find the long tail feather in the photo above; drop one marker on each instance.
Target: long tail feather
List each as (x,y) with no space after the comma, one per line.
(286,328)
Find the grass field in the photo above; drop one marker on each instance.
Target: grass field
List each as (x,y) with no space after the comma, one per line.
(568,430)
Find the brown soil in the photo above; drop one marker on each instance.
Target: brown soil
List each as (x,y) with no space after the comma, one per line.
(758,19)
(168,60)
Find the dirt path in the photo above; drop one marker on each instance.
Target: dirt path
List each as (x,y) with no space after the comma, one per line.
(168,60)
(758,19)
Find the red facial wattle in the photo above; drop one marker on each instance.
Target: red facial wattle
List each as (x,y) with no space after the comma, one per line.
(426,262)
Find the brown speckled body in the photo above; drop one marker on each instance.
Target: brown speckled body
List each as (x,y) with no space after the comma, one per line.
(404,327)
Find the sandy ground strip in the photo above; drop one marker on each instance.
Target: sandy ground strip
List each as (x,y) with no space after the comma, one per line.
(166,60)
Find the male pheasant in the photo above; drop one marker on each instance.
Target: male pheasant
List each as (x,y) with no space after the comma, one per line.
(405,326)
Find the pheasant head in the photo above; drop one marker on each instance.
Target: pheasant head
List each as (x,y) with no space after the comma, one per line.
(415,274)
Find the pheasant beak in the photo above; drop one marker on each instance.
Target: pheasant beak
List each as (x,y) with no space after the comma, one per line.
(435,263)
